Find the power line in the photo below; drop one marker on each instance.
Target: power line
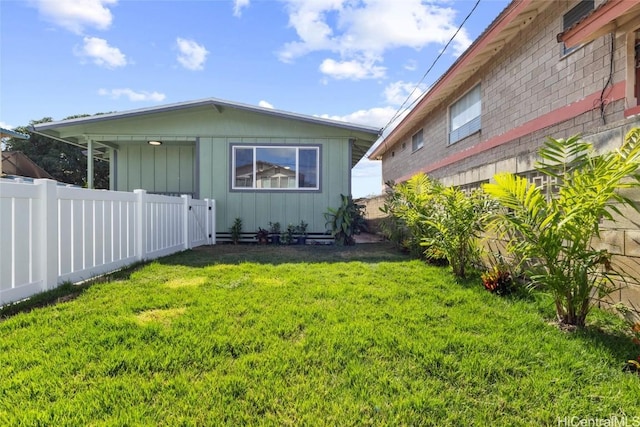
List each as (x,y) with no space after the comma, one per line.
(400,109)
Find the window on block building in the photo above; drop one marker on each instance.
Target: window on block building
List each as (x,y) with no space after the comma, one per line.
(417,140)
(575,14)
(464,115)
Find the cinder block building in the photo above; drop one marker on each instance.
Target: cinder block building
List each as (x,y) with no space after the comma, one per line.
(542,68)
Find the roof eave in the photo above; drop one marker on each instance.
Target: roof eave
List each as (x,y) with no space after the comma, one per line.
(8,133)
(613,15)
(517,15)
(218,105)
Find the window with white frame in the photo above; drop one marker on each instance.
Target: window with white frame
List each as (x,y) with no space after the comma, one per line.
(575,14)
(464,115)
(417,140)
(270,167)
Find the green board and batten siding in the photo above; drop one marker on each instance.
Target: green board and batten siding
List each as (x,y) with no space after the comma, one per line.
(257,208)
(195,156)
(168,169)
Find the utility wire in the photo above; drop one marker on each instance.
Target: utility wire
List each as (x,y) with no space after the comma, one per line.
(400,109)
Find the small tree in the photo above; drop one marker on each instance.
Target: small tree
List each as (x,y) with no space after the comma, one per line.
(552,237)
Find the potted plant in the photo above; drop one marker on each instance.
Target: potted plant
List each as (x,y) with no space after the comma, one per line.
(236,231)
(301,233)
(289,235)
(262,236)
(274,228)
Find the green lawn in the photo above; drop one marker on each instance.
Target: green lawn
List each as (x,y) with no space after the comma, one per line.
(247,335)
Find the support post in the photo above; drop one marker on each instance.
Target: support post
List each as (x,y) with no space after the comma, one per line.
(49,229)
(141,225)
(186,202)
(212,221)
(89,163)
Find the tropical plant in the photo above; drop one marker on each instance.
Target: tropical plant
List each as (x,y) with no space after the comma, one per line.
(346,221)
(551,236)
(301,232)
(274,229)
(236,231)
(289,235)
(498,280)
(407,204)
(301,229)
(262,236)
(454,227)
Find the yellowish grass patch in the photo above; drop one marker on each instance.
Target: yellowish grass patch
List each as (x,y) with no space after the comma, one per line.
(188,282)
(160,316)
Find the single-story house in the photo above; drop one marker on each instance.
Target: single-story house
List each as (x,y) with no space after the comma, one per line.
(259,164)
(542,68)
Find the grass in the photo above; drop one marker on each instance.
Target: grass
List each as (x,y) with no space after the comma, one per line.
(249,335)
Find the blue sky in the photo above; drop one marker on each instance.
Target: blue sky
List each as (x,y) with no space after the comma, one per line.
(352,60)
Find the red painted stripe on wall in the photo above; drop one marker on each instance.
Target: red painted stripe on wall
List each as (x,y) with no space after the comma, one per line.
(559,115)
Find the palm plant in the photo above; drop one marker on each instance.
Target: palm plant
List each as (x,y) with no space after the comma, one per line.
(455,224)
(552,236)
(407,204)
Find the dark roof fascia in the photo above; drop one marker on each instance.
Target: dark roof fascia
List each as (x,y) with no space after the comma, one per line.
(215,103)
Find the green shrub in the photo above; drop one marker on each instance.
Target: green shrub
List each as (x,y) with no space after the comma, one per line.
(236,231)
(551,236)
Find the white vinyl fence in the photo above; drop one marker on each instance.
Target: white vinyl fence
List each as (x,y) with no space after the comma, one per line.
(51,234)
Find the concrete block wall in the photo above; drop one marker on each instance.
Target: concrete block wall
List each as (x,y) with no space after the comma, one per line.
(529,77)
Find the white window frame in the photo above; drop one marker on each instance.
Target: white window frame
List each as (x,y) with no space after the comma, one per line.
(254,179)
(471,124)
(417,140)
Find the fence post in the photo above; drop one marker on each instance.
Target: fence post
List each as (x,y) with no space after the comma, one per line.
(212,221)
(49,229)
(186,202)
(141,225)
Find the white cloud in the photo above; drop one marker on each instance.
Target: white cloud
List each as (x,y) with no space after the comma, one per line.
(265,104)
(132,95)
(192,55)
(76,15)
(364,30)
(397,93)
(353,69)
(376,117)
(238,5)
(101,53)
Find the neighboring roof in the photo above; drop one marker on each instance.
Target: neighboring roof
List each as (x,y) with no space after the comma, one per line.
(507,25)
(7,133)
(369,133)
(620,16)
(17,163)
